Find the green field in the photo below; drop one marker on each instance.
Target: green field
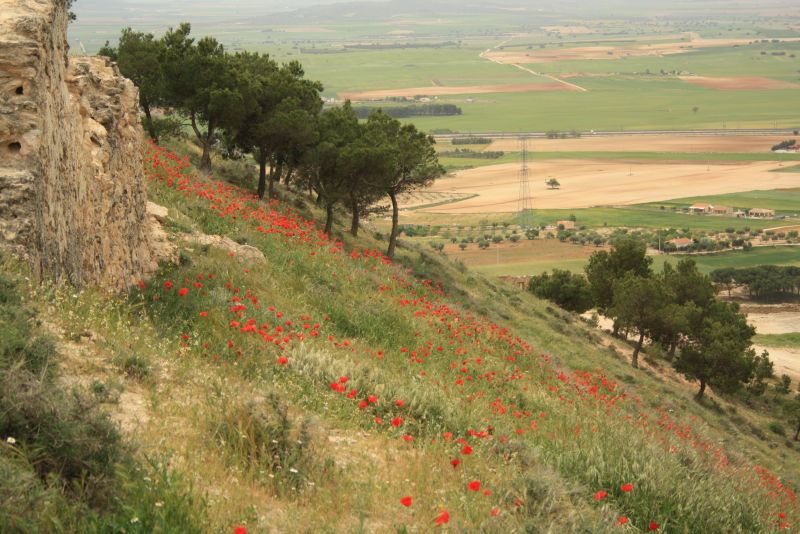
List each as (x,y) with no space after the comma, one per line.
(705,262)
(791,340)
(780,200)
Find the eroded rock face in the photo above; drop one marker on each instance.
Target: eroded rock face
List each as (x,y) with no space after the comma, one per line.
(72,190)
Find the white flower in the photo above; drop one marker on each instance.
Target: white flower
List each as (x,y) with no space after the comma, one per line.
(10,440)
(134,520)
(292,470)
(159,504)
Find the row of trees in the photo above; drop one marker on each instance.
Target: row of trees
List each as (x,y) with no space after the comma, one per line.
(707,340)
(253,105)
(763,281)
(417,110)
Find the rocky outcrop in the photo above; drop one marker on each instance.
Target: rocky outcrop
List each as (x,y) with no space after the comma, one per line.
(72,190)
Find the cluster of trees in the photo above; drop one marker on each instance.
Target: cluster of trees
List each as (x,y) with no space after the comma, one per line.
(417,110)
(764,281)
(467,153)
(555,134)
(471,141)
(706,339)
(783,145)
(253,105)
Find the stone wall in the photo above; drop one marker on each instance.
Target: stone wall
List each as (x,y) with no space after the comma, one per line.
(72,191)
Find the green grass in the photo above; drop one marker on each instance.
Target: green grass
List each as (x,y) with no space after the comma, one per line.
(791,340)
(781,200)
(705,262)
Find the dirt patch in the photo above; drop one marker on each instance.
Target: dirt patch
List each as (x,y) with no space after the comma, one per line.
(752,144)
(778,322)
(439,90)
(587,183)
(524,250)
(738,83)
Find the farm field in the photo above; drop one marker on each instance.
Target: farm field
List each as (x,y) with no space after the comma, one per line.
(518,264)
(780,200)
(586,183)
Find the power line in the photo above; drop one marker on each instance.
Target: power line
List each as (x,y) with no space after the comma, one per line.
(525,202)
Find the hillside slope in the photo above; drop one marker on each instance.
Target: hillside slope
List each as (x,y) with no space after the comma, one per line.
(326,388)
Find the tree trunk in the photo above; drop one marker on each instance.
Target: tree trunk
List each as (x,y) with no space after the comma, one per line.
(615,328)
(272,177)
(328,218)
(672,347)
(262,176)
(699,395)
(289,173)
(395,220)
(205,140)
(797,434)
(354,222)
(149,121)
(635,357)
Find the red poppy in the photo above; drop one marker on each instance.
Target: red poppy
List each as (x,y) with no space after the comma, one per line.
(475,485)
(204,314)
(443,518)
(653,526)
(467,450)
(626,487)
(399,403)
(141,284)
(397,421)
(622,520)
(406,437)
(455,462)
(167,285)
(283,360)
(406,501)
(373,399)
(600,495)
(239,530)
(495,512)
(183,291)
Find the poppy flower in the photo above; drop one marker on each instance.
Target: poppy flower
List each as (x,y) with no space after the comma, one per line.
(283,360)
(399,403)
(406,501)
(167,285)
(183,291)
(475,485)
(443,518)
(455,462)
(372,399)
(467,450)
(239,530)
(622,520)
(653,526)
(141,284)
(494,512)
(626,488)
(397,421)
(406,437)
(203,314)
(600,495)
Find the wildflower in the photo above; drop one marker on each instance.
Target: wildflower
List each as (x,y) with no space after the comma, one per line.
(455,462)
(183,291)
(622,520)
(167,285)
(653,526)
(494,512)
(399,403)
(475,485)
(397,421)
(443,518)
(239,530)
(203,314)
(600,495)
(134,520)
(467,450)
(372,399)
(141,284)
(626,488)
(283,360)
(10,440)
(406,501)
(406,437)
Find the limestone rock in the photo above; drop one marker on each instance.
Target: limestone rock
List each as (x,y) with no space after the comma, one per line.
(244,253)
(72,191)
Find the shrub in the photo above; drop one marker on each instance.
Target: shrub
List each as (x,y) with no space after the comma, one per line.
(133,366)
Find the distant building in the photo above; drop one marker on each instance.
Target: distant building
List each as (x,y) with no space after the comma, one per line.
(722,210)
(761,213)
(681,242)
(701,207)
(567,225)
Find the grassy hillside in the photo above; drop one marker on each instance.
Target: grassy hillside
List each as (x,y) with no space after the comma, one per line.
(329,389)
